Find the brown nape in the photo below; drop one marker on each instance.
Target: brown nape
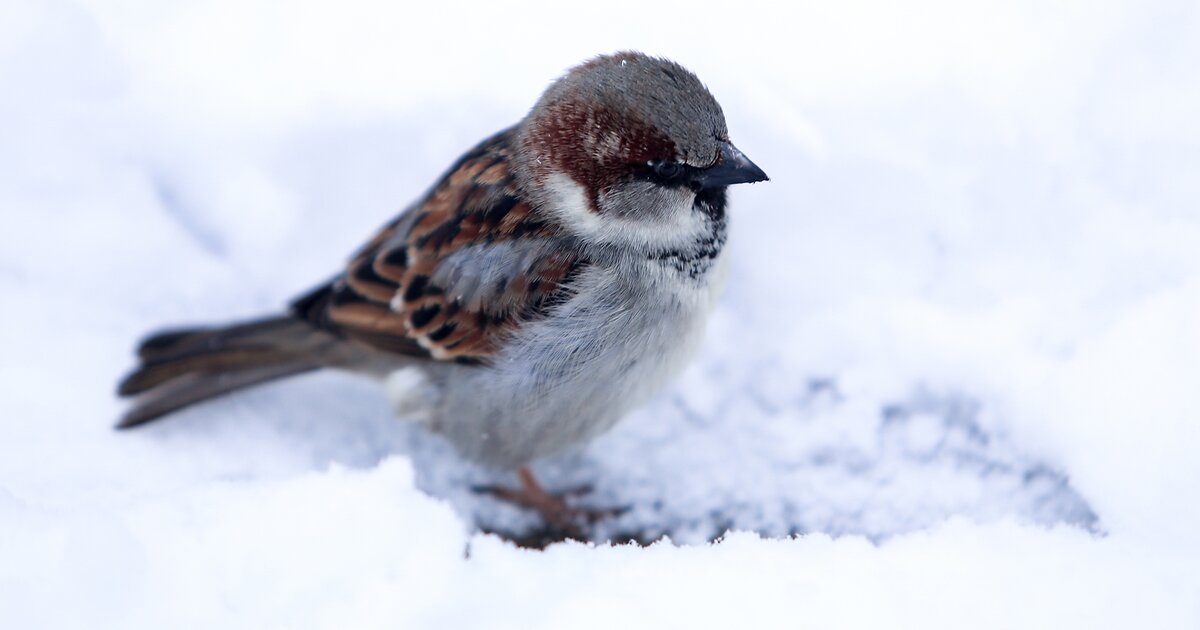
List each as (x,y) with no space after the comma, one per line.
(598,160)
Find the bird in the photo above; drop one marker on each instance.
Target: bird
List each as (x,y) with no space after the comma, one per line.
(554,278)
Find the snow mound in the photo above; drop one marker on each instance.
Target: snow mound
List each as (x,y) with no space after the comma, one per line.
(952,382)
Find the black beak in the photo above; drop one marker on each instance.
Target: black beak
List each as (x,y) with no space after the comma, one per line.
(733,167)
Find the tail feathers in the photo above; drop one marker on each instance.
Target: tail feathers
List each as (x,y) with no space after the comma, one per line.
(258,333)
(184,367)
(197,387)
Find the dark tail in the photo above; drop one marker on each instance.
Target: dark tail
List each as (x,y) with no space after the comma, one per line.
(180,368)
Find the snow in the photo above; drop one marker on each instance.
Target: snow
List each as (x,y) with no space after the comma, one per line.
(952,382)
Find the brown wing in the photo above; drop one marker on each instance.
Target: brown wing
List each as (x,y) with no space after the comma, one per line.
(449,278)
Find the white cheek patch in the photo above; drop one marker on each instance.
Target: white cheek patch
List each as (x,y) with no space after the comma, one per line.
(570,204)
(568,201)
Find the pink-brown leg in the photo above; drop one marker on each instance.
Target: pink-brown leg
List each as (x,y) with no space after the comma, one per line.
(553,508)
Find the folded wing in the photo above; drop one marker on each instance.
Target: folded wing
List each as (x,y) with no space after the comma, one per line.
(455,274)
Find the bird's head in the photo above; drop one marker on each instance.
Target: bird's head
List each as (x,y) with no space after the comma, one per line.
(631,151)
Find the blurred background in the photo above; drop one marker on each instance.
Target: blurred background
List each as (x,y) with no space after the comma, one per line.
(970,289)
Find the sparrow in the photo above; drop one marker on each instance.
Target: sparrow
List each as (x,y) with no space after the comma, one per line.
(555,277)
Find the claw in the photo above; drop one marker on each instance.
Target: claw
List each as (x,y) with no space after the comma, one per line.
(553,508)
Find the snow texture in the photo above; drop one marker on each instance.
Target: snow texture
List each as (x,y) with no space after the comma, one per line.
(953,381)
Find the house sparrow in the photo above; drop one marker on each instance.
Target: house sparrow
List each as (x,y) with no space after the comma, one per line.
(554,278)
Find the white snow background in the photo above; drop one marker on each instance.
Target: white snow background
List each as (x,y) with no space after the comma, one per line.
(954,381)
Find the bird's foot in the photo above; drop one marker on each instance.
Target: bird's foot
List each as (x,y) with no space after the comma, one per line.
(552,507)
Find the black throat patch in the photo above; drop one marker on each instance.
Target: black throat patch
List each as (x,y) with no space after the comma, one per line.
(698,257)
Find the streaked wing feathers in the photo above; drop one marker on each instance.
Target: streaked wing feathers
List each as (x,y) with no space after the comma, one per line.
(452,276)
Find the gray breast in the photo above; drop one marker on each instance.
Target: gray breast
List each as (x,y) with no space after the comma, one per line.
(569,377)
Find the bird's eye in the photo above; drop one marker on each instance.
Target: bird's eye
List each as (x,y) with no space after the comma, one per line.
(666,169)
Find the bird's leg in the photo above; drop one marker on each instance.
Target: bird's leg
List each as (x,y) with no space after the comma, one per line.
(552,507)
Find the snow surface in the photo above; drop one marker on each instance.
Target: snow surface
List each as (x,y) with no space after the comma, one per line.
(953,382)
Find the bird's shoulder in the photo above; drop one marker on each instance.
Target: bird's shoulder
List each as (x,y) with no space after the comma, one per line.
(455,274)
